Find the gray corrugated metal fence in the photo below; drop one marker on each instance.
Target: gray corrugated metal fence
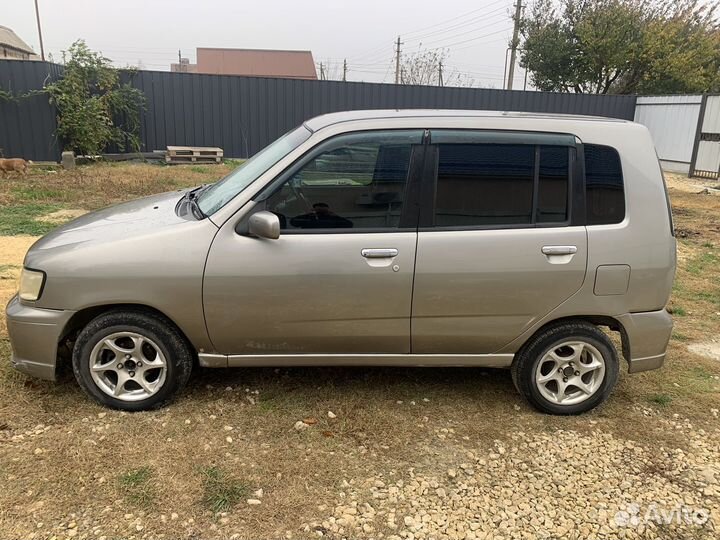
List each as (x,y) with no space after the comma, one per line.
(243,114)
(27,125)
(672,121)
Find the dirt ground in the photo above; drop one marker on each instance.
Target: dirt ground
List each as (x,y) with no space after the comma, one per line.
(384,453)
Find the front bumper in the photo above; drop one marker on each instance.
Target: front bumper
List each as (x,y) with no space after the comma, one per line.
(34,336)
(645,339)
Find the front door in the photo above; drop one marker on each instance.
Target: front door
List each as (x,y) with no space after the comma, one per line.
(339,278)
(498,244)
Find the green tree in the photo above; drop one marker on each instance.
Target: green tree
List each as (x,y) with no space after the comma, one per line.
(622,46)
(95,109)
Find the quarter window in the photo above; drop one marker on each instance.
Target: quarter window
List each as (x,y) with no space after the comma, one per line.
(357,181)
(604,190)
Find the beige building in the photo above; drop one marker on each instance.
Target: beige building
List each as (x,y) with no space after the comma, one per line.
(251,63)
(14,48)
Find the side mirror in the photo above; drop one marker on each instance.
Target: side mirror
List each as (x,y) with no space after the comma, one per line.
(264,224)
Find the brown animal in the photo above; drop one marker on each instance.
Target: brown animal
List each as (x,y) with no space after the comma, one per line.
(14,165)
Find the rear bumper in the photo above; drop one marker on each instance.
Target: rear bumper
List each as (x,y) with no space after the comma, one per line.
(645,339)
(34,336)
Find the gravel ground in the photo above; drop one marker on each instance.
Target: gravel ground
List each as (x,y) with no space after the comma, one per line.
(550,485)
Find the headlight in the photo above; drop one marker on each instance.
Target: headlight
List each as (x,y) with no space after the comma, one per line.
(31,284)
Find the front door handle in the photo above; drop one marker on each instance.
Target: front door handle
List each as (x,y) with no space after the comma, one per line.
(559,250)
(379,253)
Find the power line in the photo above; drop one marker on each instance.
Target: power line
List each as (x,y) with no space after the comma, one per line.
(447,46)
(494,23)
(474,20)
(407,34)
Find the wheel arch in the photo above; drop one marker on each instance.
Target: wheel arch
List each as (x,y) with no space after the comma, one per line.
(82,317)
(607,321)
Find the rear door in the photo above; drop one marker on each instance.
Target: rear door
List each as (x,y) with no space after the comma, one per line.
(501,241)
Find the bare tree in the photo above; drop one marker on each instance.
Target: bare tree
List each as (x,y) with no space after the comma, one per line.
(424,68)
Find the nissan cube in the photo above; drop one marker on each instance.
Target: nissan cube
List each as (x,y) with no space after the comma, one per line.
(413,238)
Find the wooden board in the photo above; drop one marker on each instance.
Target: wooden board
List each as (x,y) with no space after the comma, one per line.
(193,154)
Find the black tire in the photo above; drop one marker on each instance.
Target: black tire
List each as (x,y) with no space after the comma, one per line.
(160,330)
(526,361)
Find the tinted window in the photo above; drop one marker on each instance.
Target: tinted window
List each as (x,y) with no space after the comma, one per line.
(357,183)
(553,182)
(604,193)
(484,184)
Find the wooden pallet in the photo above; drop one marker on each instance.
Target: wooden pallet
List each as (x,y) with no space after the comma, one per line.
(193,154)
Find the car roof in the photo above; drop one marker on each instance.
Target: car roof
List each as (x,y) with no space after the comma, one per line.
(325,120)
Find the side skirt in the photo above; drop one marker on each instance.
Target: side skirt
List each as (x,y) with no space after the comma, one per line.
(427,360)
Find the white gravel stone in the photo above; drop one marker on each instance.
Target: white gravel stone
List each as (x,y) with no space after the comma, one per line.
(559,484)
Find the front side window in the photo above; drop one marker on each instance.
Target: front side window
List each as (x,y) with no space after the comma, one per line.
(356,181)
(489,184)
(604,189)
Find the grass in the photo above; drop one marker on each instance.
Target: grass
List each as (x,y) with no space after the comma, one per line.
(698,264)
(233,163)
(21,219)
(677,310)
(661,399)
(136,486)
(98,185)
(221,490)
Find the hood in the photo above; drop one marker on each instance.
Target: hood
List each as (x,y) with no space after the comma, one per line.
(121,221)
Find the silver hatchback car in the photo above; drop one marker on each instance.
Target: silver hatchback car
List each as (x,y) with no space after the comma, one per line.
(423,238)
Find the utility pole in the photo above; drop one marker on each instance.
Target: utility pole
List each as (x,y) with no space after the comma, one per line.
(37,16)
(345,70)
(440,77)
(397,61)
(179,57)
(514,44)
(322,72)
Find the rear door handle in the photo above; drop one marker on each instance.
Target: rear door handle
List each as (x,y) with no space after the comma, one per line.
(379,253)
(559,250)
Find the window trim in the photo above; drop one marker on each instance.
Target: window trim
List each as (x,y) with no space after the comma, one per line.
(411,202)
(536,139)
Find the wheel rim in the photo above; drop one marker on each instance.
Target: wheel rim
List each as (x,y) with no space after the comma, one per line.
(570,373)
(128,366)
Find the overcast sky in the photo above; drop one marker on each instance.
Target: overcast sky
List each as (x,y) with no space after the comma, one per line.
(149,33)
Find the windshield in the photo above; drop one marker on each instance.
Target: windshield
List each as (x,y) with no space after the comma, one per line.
(218,195)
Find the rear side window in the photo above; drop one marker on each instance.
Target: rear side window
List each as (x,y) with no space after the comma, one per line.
(484,184)
(501,185)
(604,189)
(553,182)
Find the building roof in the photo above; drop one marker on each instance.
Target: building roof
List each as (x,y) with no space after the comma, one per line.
(10,39)
(325,120)
(256,63)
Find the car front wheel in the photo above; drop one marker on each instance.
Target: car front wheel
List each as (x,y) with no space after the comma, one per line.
(131,360)
(567,368)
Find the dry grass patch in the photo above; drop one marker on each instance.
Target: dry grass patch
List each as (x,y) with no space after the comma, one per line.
(37,203)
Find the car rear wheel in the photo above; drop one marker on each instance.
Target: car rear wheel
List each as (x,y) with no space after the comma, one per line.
(567,368)
(131,360)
